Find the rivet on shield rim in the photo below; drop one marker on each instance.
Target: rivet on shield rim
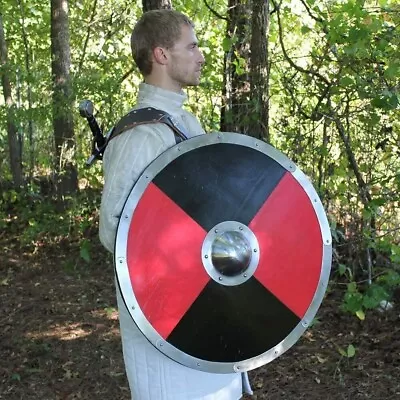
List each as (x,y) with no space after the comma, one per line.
(236,368)
(305,324)
(255,250)
(206,256)
(220,278)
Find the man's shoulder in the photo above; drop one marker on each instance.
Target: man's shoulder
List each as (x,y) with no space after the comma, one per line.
(142,119)
(139,139)
(152,131)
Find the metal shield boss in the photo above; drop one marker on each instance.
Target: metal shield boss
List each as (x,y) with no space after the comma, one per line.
(223,253)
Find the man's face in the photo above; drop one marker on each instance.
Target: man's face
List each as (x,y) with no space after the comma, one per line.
(186,59)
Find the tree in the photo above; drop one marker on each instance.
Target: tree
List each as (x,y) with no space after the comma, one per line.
(235,95)
(259,79)
(66,172)
(245,93)
(15,146)
(28,68)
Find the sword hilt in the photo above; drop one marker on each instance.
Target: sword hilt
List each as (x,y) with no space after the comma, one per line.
(86,110)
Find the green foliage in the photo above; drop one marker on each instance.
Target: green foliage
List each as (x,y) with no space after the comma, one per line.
(38,221)
(350,352)
(85,250)
(335,108)
(100,64)
(359,298)
(16,377)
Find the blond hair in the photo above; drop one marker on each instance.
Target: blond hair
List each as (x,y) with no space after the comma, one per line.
(156,28)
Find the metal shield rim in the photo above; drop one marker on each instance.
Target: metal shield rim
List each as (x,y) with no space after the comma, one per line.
(122,271)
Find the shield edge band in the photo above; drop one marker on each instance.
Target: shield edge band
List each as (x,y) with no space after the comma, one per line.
(122,271)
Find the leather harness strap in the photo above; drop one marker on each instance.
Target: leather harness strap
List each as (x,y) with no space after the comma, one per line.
(148,115)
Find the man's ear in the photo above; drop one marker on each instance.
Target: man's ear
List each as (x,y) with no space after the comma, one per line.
(160,56)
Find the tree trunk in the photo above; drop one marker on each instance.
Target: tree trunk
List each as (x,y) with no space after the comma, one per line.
(66,173)
(245,93)
(13,143)
(29,91)
(259,76)
(156,4)
(236,92)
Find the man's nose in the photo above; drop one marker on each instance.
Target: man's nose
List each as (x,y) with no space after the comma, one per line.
(202,60)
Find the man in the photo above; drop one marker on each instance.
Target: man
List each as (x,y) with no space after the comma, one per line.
(165,49)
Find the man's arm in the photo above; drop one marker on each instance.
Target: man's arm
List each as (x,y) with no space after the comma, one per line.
(125,158)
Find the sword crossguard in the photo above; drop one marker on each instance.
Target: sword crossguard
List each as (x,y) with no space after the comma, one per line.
(99,142)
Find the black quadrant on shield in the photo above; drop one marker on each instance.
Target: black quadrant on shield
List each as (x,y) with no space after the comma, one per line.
(233,323)
(220,182)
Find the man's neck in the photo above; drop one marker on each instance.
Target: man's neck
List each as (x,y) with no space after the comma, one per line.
(163,84)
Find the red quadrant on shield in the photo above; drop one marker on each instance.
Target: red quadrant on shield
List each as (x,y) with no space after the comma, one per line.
(289,236)
(164,259)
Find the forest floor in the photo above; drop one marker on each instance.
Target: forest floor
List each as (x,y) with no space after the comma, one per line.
(59,336)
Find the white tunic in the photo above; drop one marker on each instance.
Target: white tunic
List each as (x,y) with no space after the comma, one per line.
(151,375)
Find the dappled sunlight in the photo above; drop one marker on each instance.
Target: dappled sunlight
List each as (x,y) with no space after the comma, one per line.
(109,313)
(78,330)
(62,332)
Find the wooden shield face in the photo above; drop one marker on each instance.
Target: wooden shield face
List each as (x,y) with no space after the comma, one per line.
(223,253)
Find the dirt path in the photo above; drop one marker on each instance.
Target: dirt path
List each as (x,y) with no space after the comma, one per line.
(59,337)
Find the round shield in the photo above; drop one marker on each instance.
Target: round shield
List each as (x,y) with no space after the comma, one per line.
(223,253)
